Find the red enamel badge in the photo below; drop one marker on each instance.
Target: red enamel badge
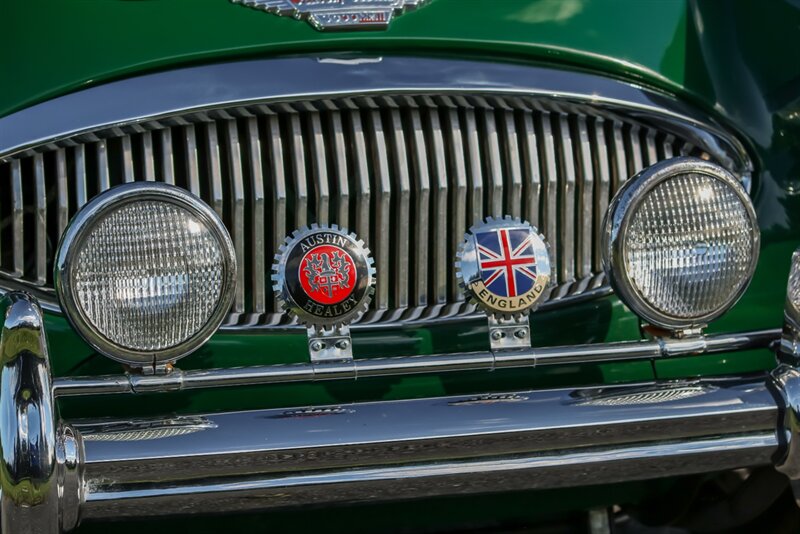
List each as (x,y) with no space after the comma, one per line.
(327,274)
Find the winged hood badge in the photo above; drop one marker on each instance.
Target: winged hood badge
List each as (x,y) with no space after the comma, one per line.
(337,14)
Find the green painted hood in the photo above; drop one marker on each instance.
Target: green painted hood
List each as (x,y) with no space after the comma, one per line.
(56,47)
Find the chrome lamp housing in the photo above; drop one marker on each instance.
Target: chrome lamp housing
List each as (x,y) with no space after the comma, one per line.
(681,243)
(145,273)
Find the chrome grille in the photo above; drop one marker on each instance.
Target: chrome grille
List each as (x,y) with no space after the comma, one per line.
(409,174)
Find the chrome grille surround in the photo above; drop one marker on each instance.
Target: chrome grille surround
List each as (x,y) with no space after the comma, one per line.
(359,152)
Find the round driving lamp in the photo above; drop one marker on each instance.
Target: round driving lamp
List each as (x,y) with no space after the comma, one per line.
(681,243)
(145,273)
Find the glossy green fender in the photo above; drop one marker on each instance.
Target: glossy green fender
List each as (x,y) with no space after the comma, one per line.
(735,60)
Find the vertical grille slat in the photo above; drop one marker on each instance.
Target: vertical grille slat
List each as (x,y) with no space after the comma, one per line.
(409,174)
(360,171)
(320,169)
(550,178)
(494,173)
(566,210)
(63,190)
(103,180)
(167,161)
(17,210)
(585,193)
(439,215)
(603,184)
(214,168)
(127,161)
(475,168)
(277,178)
(420,214)
(41,219)
(533,179)
(340,165)
(513,180)
(192,160)
(148,161)
(458,176)
(402,221)
(257,242)
(237,230)
(383,191)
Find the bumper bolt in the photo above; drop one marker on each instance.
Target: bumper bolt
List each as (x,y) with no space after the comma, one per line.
(521,334)
(317,346)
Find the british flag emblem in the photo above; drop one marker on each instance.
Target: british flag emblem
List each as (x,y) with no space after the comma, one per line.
(507,261)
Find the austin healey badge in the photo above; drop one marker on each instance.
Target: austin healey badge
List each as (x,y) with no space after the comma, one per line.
(337,14)
(504,267)
(324,277)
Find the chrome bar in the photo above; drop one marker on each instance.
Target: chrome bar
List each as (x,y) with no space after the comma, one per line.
(620,168)
(192,159)
(586,206)
(533,176)
(41,219)
(18,209)
(167,162)
(361,170)
(547,151)
(103,180)
(319,164)
(39,458)
(257,241)
(383,196)
(340,164)
(603,184)
(237,182)
(387,450)
(475,169)
(148,161)
(421,223)
(80,176)
(491,156)
(634,150)
(127,160)
(214,168)
(513,185)
(650,147)
(402,365)
(279,188)
(565,254)
(442,261)
(402,223)
(63,190)
(458,175)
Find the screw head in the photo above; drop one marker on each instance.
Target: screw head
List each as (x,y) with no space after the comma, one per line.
(342,344)
(521,334)
(317,346)
(497,335)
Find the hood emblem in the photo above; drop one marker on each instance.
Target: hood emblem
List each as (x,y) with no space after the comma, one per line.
(337,14)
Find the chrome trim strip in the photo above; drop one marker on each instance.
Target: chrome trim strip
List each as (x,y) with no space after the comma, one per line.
(402,365)
(242,82)
(235,171)
(420,212)
(63,192)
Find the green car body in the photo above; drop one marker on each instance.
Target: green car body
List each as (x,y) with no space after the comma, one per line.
(735,61)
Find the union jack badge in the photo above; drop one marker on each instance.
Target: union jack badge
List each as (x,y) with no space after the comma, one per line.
(337,14)
(504,266)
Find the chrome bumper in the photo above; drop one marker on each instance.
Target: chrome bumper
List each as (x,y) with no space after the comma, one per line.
(55,474)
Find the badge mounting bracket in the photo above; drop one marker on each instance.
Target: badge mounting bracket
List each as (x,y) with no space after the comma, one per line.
(510,333)
(331,344)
